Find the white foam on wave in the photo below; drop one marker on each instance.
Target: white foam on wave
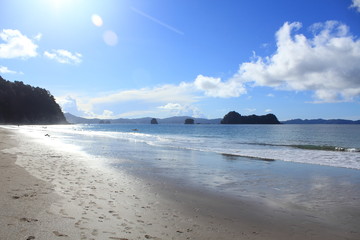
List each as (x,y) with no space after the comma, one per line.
(345,159)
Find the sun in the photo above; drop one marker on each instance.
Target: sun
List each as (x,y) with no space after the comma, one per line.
(58,4)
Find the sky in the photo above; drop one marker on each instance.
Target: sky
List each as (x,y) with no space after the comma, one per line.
(199,58)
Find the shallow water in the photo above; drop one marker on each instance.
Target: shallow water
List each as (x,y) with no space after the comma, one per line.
(329,145)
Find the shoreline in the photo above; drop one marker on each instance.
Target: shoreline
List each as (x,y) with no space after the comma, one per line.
(91,202)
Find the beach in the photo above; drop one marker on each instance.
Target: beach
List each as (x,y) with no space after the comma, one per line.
(51,191)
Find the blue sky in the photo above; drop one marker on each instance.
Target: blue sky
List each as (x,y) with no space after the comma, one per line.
(202,58)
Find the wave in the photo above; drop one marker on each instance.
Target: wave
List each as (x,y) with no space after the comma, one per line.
(310,147)
(228,155)
(326,148)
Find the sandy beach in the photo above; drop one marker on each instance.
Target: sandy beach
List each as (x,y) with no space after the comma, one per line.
(55,192)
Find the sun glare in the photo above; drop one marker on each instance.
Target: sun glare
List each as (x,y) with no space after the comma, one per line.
(59,4)
(56,3)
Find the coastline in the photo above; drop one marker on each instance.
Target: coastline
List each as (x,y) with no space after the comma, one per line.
(50,193)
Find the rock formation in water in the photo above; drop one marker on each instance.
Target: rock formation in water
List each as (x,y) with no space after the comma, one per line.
(236,118)
(189,121)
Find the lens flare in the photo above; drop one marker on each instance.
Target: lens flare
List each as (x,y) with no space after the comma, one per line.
(96,20)
(110,38)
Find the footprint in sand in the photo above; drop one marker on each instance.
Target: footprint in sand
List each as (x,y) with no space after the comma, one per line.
(59,234)
(28,220)
(77,224)
(94,232)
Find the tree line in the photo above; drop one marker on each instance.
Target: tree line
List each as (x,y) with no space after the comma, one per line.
(25,104)
(236,118)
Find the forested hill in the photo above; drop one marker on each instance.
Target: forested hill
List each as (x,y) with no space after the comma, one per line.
(24,104)
(236,118)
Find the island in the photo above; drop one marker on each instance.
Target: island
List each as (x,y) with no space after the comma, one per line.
(189,121)
(236,118)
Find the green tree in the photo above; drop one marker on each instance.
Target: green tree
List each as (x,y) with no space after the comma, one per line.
(25,104)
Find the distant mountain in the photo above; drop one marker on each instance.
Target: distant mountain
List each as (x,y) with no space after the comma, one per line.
(172,120)
(77,120)
(25,104)
(320,121)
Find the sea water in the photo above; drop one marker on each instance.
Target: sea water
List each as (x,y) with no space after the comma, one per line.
(274,162)
(329,145)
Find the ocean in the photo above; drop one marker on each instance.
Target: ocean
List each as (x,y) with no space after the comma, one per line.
(329,145)
(236,160)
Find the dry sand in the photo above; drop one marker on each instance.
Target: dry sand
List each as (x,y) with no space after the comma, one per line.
(48,192)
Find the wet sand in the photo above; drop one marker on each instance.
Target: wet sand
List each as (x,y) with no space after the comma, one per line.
(51,192)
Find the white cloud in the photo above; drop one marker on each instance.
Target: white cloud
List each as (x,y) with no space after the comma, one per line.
(38,37)
(265,45)
(86,106)
(16,45)
(172,106)
(70,104)
(139,113)
(166,93)
(214,87)
(107,114)
(181,110)
(78,106)
(356,4)
(268,110)
(6,70)
(250,110)
(64,56)
(328,63)
(270,95)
